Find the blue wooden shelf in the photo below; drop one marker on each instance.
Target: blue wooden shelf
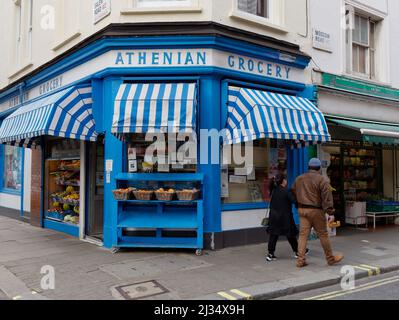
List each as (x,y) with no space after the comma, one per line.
(173,220)
(159,215)
(160,177)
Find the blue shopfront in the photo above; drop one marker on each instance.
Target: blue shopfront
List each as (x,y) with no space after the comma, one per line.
(115,98)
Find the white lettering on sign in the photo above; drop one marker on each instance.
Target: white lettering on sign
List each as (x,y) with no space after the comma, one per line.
(50,85)
(322,40)
(17,100)
(101,9)
(167,58)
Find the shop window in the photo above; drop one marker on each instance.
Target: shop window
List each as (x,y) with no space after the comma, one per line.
(360,44)
(62,180)
(161,3)
(12,176)
(171,154)
(256,7)
(250,184)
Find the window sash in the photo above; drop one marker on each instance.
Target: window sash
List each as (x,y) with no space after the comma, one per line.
(161,3)
(260,8)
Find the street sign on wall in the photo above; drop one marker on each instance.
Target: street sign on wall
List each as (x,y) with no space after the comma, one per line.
(101,9)
(322,40)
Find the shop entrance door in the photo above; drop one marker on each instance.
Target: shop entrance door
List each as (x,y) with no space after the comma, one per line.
(95,181)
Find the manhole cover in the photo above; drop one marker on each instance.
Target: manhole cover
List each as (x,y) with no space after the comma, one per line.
(141,290)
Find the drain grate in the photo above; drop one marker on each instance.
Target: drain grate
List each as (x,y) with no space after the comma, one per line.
(141,290)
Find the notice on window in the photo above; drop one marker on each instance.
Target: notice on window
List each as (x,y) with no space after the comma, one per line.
(238,179)
(225,181)
(109,164)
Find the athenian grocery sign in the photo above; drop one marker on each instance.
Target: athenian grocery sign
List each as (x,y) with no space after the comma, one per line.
(134,60)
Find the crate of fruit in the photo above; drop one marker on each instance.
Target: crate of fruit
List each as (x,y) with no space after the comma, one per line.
(382,206)
(164,195)
(123,194)
(143,194)
(188,194)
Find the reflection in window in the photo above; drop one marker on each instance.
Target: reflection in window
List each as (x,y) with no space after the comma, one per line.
(256,7)
(12,168)
(248,184)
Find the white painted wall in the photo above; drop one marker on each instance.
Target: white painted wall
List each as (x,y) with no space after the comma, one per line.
(245,219)
(10,201)
(74,23)
(328,16)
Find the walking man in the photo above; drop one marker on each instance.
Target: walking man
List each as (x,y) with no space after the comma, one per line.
(314,197)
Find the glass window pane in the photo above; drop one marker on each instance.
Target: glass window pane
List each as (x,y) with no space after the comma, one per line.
(355,58)
(362,59)
(243,184)
(356,30)
(364,35)
(256,7)
(372,35)
(12,168)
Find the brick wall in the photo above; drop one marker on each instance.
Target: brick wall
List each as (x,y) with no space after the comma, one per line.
(36,187)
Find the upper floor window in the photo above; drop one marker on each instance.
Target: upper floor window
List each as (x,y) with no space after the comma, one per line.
(162,3)
(256,7)
(360,44)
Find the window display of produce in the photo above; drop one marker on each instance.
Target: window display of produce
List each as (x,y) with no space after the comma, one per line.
(63,190)
(354,174)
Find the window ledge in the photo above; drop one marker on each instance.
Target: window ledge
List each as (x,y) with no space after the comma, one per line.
(366,79)
(133,11)
(260,21)
(20,70)
(245,206)
(66,40)
(11,191)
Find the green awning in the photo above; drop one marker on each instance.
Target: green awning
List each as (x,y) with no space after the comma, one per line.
(372,132)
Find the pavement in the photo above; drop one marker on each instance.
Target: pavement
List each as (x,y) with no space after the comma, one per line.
(86,271)
(381,287)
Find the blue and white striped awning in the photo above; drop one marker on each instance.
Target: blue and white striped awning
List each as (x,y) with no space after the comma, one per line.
(155,107)
(255,114)
(67,114)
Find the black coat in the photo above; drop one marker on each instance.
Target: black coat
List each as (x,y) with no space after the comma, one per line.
(281,219)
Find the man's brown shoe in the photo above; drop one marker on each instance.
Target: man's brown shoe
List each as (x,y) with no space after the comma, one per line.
(301,264)
(337,258)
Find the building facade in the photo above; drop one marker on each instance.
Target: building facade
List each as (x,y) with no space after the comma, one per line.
(100,56)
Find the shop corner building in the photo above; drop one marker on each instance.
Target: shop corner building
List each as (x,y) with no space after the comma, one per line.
(77,99)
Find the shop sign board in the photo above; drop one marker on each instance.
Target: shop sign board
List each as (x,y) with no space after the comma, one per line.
(166,58)
(359,87)
(101,9)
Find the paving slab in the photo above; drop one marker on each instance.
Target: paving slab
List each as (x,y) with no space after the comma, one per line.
(87,271)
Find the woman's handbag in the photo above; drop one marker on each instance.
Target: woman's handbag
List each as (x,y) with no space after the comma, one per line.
(265,220)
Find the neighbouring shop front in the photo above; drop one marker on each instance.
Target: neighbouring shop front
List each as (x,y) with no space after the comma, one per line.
(361,160)
(96,135)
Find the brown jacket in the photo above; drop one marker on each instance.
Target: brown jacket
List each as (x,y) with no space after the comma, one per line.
(312,189)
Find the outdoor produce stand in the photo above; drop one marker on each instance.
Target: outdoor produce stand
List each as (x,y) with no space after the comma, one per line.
(148,204)
(382,209)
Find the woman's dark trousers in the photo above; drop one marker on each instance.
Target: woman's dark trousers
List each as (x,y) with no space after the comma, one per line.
(273,241)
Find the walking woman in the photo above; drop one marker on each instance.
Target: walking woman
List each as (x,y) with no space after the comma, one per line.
(281,219)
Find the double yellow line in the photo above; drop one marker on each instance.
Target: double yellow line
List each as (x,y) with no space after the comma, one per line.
(239,293)
(364,287)
(370,269)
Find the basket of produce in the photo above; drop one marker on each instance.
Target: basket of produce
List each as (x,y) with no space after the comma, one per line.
(123,194)
(188,194)
(143,194)
(164,195)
